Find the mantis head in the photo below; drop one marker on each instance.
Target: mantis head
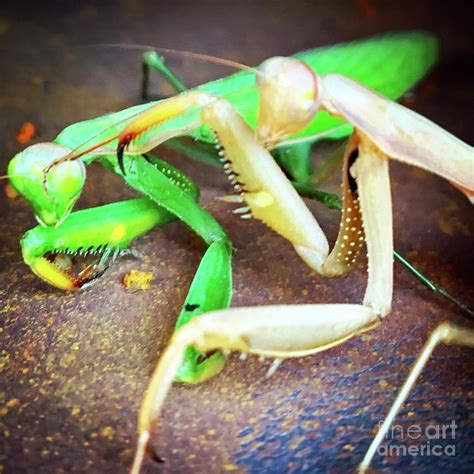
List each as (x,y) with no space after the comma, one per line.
(52,195)
(289,85)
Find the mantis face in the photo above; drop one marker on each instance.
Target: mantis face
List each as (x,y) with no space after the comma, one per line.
(289,99)
(51,195)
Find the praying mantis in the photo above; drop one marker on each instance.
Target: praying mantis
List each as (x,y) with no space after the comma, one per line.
(212,289)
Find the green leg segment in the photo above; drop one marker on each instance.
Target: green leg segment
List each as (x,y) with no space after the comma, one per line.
(157,63)
(211,288)
(295,160)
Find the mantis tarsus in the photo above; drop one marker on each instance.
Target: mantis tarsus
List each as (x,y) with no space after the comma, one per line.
(151,178)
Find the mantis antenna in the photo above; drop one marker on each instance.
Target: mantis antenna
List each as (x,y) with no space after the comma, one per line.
(75,154)
(175,52)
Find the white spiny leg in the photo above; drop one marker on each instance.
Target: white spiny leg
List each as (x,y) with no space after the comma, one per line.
(267,192)
(371,173)
(444,333)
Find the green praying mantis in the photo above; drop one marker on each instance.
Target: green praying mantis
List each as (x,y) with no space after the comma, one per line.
(279,114)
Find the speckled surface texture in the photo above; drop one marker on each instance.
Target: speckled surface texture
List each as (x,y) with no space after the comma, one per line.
(74,366)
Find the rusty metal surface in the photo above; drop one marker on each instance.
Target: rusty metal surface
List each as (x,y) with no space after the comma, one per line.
(74,366)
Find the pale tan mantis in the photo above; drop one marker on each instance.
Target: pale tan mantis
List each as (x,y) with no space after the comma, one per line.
(290,95)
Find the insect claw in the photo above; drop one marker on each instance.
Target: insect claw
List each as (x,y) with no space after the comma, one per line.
(150,450)
(120,150)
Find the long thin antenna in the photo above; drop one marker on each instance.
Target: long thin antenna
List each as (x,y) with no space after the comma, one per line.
(176,52)
(77,152)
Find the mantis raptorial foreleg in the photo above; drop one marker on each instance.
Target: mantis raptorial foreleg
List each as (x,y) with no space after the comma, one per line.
(443,334)
(120,223)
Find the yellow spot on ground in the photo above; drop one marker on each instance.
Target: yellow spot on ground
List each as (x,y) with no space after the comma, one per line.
(75,411)
(137,280)
(67,360)
(348,447)
(13,402)
(383,383)
(107,432)
(230,467)
(4,358)
(211,432)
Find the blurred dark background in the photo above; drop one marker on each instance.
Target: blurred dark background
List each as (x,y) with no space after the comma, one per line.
(74,366)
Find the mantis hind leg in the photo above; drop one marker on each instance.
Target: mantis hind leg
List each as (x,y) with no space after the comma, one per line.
(445,333)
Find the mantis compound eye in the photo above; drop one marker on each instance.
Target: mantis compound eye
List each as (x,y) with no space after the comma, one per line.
(64,182)
(288,98)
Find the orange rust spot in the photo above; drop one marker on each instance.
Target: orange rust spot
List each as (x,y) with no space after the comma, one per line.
(366,7)
(26,133)
(10,192)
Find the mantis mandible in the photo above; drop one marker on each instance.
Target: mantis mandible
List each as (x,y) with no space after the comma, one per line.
(310,243)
